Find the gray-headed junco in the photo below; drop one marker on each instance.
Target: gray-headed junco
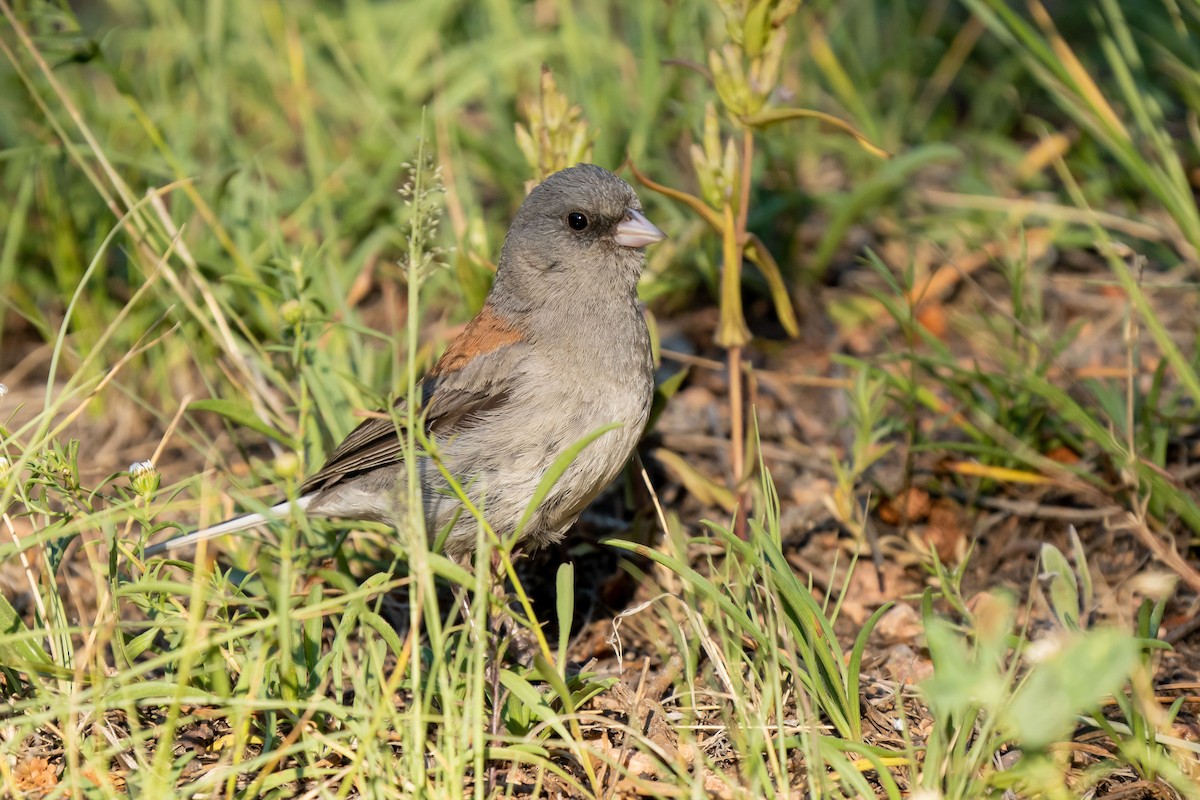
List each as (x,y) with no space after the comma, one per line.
(558,350)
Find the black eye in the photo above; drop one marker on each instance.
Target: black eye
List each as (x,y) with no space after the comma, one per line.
(577,221)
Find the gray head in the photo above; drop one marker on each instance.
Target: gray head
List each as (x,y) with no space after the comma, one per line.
(580,233)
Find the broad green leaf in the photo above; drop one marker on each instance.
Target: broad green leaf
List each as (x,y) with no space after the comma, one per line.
(962,681)
(452,571)
(138,644)
(534,702)
(1061,586)
(551,676)
(1072,681)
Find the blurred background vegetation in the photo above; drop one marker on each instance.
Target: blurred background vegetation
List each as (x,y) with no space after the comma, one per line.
(282,131)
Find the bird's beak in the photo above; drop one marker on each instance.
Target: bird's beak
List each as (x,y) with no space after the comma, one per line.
(637,231)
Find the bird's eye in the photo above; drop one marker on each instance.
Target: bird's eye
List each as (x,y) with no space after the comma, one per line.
(577,221)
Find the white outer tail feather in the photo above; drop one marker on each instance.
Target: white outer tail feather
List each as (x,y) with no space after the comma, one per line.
(241,523)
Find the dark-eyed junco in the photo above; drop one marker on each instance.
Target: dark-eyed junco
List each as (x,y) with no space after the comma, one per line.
(558,350)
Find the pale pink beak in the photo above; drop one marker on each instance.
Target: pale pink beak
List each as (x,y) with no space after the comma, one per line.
(637,231)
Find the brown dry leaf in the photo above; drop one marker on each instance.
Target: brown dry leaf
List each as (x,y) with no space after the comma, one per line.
(1048,149)
(811,492)
(905,665)
(863,595)
(945,533)
(1185,729)
(901,623)
(992,611)
(631,762)
(35,776)
(933,319)
(602,745)
(910,505)
(642,764)
(1063,455)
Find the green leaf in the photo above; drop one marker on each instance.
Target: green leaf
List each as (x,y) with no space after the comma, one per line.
(241,414)
(160,692)
(853,673)
(565,603)
(962,681)
(386,631)
(1072,681)
(18,645)
(138,644)
(151,586)
(1088,592)
(452,571)
(732,330)
(551,676)
(754,28)
(835,753)
(702,585)
(533,701)
(1062,588)
(557,469)
(591,688)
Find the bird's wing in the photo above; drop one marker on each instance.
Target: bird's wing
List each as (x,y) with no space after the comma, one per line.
(473,375)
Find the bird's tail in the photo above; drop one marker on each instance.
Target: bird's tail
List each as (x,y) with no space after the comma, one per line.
(228,526)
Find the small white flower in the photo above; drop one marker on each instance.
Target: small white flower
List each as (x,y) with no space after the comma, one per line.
(144,477)
(1041,650)
(926,794)
(287,465)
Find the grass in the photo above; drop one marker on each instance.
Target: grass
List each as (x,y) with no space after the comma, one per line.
(228,227)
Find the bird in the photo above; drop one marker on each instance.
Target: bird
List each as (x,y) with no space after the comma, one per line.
(559,349)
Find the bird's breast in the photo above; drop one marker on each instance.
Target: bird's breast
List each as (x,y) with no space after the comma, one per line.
(607,377)
(593,371)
